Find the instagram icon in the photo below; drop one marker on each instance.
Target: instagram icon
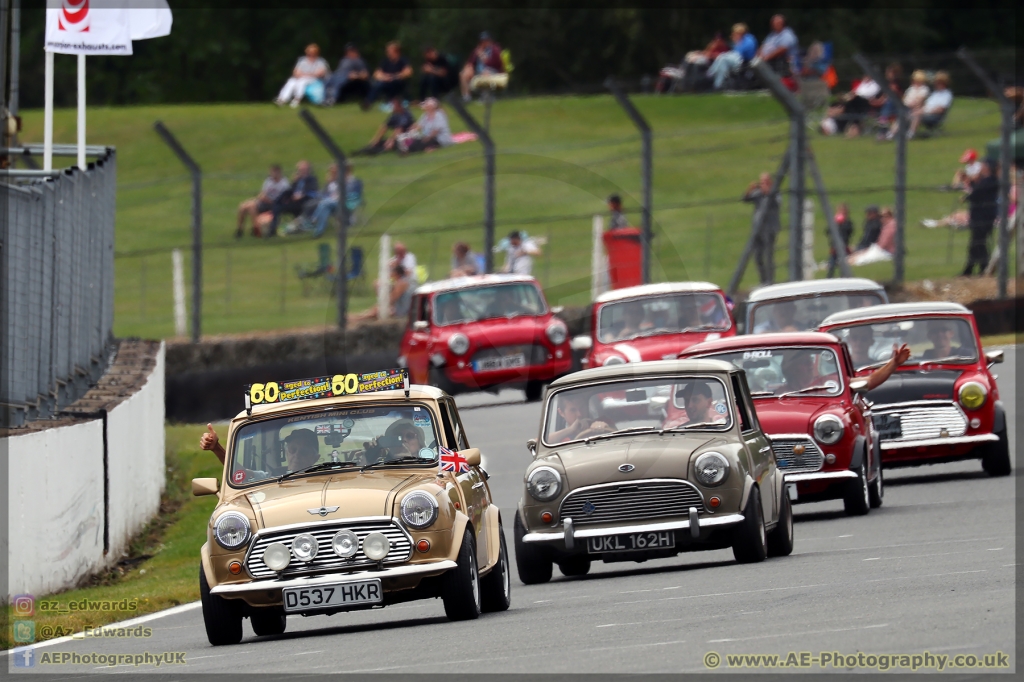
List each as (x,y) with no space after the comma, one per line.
(24,605)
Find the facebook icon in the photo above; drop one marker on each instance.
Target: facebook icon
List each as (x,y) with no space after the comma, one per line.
(24,658)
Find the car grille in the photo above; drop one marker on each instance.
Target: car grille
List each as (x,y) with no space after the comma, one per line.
(788,461)
(630,501)
(919,422)
(326,560)
(535,354)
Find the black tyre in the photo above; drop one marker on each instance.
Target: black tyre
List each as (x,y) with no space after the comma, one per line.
(750,542)
(876,491)
(264,624)
(996,458)
(496,586)
(222,618)
(534,391)
(574,566)
(460,589)
(780,540)
(857,500)
(533,565)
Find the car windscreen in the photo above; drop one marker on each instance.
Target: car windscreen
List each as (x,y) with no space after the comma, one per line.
(391,434)
(482,303)
(804,314)
(620,408)
(811,371)
(669,314)
(940,338)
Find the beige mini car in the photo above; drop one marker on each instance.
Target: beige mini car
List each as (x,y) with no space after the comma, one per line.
(643,461)
(338,496)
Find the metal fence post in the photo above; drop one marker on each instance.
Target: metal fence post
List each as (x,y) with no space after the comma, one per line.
(489,154)
(197,225)
(342,163)
(646,167)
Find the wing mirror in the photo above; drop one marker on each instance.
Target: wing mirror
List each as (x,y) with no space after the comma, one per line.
(420,326)
(205,486)
(531,445)
(581,343)
(859,386)
(558,310)
(471,455)
(994,357)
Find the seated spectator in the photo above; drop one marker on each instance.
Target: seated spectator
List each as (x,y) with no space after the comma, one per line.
(391,75)
(294,201)
(400,297)
(398,121)
(405,258)
(872,228)
(780,47)
(744,47)
(464,261)
(893,88)
(815,62)
(310,68)
(934,109)
(431,131)
(616,218)
(484,59)
(845,227)
(913,99)
(882,249)
(272,188)
(350,79)
(847,113)
(328,204)
(439,74)
(694,69)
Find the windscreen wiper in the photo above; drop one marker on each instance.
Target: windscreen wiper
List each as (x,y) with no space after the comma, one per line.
(631,429)
(691,425)
(807,390)
(317,467)
(935,361)
(400,460)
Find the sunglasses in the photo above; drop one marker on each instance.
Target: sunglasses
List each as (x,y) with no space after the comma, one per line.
(409,435)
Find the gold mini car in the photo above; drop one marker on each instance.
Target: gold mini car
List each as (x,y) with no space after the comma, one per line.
(645,460)
(344,493)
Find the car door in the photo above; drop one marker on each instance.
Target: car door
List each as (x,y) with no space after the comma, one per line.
(417,354)
(471,483)
(762,460)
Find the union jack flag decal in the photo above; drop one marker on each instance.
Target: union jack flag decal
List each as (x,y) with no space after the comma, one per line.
(453,461)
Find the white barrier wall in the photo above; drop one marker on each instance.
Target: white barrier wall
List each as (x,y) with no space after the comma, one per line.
(55,491)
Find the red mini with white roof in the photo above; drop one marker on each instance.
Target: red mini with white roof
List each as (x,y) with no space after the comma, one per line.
(654,322)
(485,332)
(813,412)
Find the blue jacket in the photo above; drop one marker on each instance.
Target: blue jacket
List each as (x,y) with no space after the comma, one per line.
(747,47)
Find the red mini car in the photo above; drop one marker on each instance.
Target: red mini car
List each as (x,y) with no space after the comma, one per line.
(817,420)
(483,333)
(943,404)
(653,322)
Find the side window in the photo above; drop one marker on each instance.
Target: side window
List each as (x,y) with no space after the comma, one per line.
(424,309)
(447,426)
(413,309)
(739,391)
(460,433)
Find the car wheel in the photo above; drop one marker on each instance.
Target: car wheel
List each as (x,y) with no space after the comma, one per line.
(876,491)
(575,566)
(460,590)
(780,540)
(750,544)
(264,624)
(496,586)
(534,391)
(533,564)
(996,458)
(222,618)
(857,500)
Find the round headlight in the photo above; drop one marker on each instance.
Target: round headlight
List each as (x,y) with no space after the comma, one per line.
(419,509)
(828,429)
(557,332)
(276,556)
(972,395)
(711,468)
(231,530)
(544,484)
(345,543)
(614,360)
(458,344)
(305,547)
(376,546)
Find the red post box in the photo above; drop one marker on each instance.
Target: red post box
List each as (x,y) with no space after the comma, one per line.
(624,257)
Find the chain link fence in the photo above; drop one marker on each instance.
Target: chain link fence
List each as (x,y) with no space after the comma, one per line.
(57,304)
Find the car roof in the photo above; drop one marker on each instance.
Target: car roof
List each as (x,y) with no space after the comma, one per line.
(813,286)
(763,340)
(416,392)
(457,283)
(656,289)
(638,369)
(894,310)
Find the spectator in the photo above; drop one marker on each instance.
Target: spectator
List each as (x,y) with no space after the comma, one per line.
(983,203)
(402,288)
(893,88)
(963,177)
(935,106)
(351,78)
(1011,224)
(780,47)
(398,121)
(883,248)
(464,261)
(1016,95)
(391,75)
(696,62)
(405,258)
(872,228)
(913,99)
(616,218)
(439,75)
(765,198)
(484,59)
(431,131)
(272,188)
(847,113)
(328,204)
(816,62)
(294,200)
(744,47)
(845,227)
(310,68)
(519,254)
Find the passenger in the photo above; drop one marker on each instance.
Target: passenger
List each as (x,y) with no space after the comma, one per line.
(408,437)
(860,340)
(571,408)
(633,322)
(689,316)
(941,335)
(301,449)
(450,311)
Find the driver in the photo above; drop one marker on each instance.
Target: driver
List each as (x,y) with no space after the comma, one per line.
(783,319)
(633,319)
(689,318)
(571,408)
(301,449)
(450,310)
(699,404)
(799,369)
(941,335)
(505,303)
(860,339)
(407,437)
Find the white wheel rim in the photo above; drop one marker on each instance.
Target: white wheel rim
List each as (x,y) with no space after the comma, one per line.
(474,578)
(506,581)
(789,525)
(864,484)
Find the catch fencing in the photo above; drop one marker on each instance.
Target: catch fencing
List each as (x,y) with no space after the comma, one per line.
(57,304)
